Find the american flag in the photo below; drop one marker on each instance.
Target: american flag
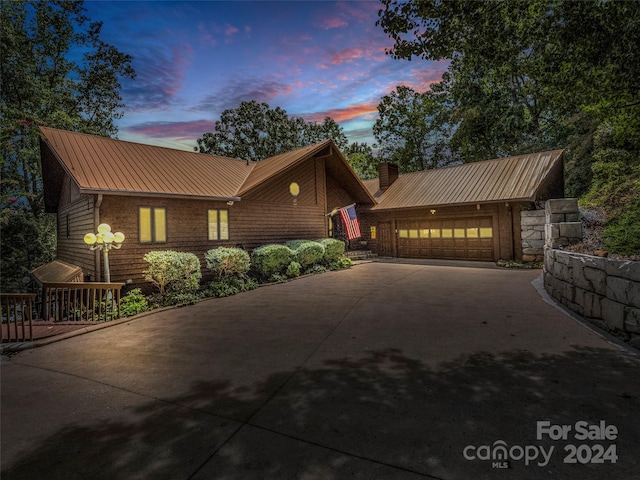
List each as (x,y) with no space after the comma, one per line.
(351,223)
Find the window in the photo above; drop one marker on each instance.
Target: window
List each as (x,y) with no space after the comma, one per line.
(403,233)
(153,225)
(472,232)
(486,232)
(413,233)
(218,224)
(435,233)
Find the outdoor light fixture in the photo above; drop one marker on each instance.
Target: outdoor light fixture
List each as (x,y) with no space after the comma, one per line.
(433,211)
(104,240)
(294,190)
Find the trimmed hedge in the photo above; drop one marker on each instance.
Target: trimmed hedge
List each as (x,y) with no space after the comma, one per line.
(173,272)
(226,262)
(333,249)
(309,253)
(271,259)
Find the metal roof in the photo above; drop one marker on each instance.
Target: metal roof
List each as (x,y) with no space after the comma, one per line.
(501,179)
(104,165)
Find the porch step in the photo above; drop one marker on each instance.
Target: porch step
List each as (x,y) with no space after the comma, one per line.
(360,254)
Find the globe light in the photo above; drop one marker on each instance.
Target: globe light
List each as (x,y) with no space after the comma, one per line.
(108,237)
(100,238)
(104,228)
(118,237)
(90,239)
(294,189)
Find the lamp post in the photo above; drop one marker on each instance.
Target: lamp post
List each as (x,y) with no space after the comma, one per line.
(104,240)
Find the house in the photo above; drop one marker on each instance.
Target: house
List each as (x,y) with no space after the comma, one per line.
(171,199)
(162,198)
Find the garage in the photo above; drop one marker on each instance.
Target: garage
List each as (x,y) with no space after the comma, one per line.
(458,239)
(463,212)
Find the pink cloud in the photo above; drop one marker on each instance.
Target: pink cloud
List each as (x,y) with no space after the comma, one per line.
(332,22)
(178,130)
(230,30)
(347,55)
(343,114)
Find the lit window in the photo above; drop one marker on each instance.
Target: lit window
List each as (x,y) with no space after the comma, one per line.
(486,232)
(458,233)
(218,224)
(472,232)
(152,225)
(403,233)
(413,233)
(424,233)
(447,233)
(435,233)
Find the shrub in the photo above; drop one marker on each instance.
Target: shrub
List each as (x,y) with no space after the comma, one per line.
(133,302)
(173,272)
(309,253)
(225,262)
(341,263)
(271,259)
(293,270)
(230,286)
(333,249)
(316,269)
(294,244)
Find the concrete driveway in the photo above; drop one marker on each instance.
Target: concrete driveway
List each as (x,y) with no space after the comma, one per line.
(383,371)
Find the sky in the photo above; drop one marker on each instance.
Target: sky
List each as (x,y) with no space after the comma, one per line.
(195,59)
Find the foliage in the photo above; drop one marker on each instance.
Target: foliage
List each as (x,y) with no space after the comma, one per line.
(277,278)
(412,130)
(527,76)
(231,285)
(27,241)
(181,298)
(362,160)
(316,269)
(309,253)
(615,187)
(622,232)
(333,249)
(271,259)
(173,272)
(225,262)
(517,264)
(254,131)
(57,72)
(293,270)
(341,263)
(133,302)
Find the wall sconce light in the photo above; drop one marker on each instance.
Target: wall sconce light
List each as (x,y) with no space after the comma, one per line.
(294,190)
(478,207)
(104,240)
(433,211)
(230,202)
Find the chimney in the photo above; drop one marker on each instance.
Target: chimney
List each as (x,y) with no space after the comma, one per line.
(387,174)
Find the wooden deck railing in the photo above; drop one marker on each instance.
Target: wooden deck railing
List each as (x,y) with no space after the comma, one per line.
(16,313)
(81,301)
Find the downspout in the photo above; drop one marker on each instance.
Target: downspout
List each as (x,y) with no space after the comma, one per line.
(96,222)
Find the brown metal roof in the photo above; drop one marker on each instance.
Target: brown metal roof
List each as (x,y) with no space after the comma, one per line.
(502,179)
(269,167)
(104,165)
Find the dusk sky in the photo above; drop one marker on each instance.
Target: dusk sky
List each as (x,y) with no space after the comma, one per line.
(195,59)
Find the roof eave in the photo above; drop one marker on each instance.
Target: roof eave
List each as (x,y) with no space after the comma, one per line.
(380,208)
(183,196)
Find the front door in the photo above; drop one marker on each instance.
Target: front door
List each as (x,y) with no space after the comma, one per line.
(385,243)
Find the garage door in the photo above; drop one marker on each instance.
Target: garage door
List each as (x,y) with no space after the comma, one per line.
(464,239)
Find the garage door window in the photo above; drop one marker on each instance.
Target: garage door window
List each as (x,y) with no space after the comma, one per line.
(486,232)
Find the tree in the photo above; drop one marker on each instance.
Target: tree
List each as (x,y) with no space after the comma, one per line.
(254,131)
(55,71)
(361,158)
(521,71)
(411,131)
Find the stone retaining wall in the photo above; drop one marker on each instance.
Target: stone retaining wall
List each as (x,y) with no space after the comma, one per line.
(532,234)
(605,292)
